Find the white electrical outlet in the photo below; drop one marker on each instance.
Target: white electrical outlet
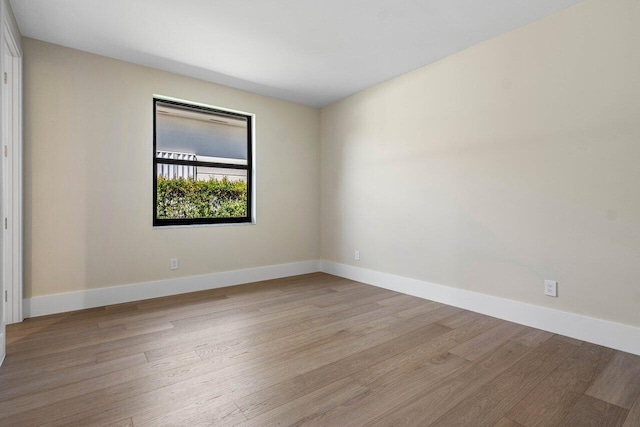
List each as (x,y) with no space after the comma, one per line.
(174,263)
(356,255)
(551,288)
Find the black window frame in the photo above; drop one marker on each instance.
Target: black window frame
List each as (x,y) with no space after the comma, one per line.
(160,222)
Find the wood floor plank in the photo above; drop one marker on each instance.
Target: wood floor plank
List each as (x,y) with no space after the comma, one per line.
(137,389)
(20,387)
(271,397)
(27,404)
(44,332)
(355,320)
(633,418)
(80,348)
(205,375)
(184,340)
(487,341)
(589,411)
(306,350)
(350,318)
(412,358)
(217,310)
(552,399)
(127,422)
(460,319)
(44,337)
(309,408)
(227,414)
(532,337)
(278,370)
(212,306)
(434,402)
(506,422)
(570,340)
(619,383)
(170,340)
(59,320)
(243,295)
(22,373)
(495,399)
(104,337)
(388,395)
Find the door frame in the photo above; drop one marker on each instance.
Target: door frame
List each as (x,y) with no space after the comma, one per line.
(11,216)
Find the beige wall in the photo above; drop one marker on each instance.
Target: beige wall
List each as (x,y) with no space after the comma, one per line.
(88,186)
(514,161)
(506,164)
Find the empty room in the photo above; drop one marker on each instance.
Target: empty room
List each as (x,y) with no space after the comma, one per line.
(320,213)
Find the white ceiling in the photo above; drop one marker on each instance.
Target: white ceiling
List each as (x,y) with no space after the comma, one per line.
(309,51)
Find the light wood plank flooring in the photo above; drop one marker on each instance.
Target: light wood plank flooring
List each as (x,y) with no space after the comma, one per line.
(306,350)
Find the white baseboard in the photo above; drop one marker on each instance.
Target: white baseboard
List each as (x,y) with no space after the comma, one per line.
(60,303)
(603,332)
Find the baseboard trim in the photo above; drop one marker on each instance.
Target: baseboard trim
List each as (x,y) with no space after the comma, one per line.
(598,331)
(60,303)
(603,332)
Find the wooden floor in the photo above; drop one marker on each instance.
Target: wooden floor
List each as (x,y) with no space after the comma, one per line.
(307,350)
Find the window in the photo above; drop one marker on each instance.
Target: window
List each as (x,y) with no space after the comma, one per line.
(201,165)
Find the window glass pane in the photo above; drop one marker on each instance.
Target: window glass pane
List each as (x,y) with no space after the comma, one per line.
(206,135)
(200,192)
